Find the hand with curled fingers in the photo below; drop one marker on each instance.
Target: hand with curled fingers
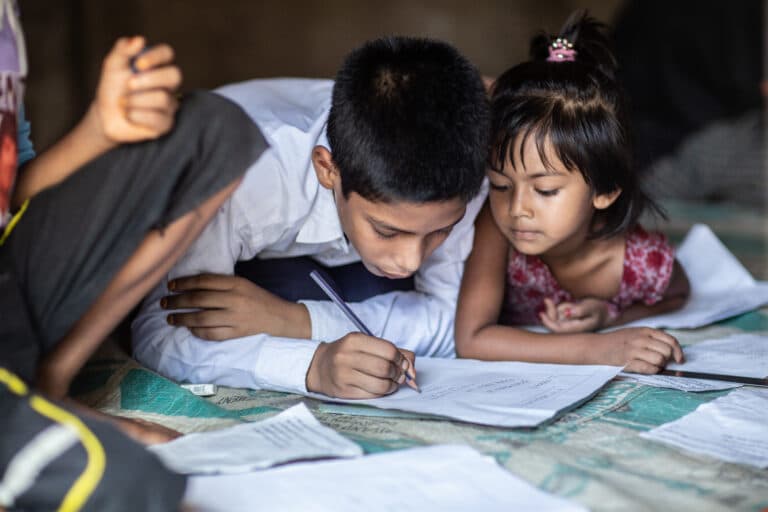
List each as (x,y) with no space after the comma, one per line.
(146,432)
(639,349)
(359,366)
(229,307)
(132,106)
(584,315)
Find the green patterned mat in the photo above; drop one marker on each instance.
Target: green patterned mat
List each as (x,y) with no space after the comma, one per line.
(592,455)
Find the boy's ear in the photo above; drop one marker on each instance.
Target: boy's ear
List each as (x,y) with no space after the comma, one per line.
(326,170)
(603,201)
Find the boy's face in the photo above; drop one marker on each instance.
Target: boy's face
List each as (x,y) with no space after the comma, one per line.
(393,239)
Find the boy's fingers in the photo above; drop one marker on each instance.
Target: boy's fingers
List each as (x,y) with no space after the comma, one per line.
(205,318)
(202,282)
(409,360)
(195,299)
(119,57)
(166,77)
(380,348)
(155,99)
(154,56)
(378,367)
(154,121)
(374,386)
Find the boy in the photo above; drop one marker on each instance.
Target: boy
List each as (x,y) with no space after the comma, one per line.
(387,177)
(87,229)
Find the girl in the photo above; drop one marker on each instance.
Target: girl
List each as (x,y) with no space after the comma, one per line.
(558,241)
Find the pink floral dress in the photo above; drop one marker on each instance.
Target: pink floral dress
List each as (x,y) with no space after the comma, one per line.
(648,262)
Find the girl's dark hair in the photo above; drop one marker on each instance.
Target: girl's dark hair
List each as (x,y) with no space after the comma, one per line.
(579,107)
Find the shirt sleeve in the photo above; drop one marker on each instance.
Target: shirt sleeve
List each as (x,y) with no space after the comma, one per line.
(419,320)
(256,362)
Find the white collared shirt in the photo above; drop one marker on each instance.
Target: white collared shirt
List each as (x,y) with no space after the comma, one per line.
(280,210)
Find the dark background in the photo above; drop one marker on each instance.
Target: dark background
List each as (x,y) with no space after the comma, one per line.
(231,40)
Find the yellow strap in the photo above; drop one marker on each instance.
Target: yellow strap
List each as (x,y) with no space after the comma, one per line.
(12,382)
(85,484)
(14,220)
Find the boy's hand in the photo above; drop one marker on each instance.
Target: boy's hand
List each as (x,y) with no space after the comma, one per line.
(233,307)
(359,366)
(638,349)
(145,432)
(585,315)
(132,107)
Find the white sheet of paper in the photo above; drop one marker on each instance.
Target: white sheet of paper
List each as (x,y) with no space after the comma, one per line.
(681,384)
(294,434)
(745,355)
(720,286)
(445,478)
(731,428)
(738,354)
(503,394)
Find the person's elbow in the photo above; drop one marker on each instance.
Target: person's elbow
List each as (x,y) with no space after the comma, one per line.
(465,341)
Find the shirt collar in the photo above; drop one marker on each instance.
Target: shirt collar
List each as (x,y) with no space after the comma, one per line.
(322,224)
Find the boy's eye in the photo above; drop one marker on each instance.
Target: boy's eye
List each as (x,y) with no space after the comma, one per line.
(499,187)
(382,234)
(548,193)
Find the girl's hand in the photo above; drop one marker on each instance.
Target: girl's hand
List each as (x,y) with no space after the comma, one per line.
(585,315)
(135,106)
(638,349)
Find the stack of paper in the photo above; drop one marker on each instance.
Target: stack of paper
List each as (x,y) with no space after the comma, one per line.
(720,286)
(294,434)
(444,478)
(738,354)
(503,394)
(744,355)
(731,428)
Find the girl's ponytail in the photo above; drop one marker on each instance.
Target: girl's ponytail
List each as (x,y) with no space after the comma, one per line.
(581,39)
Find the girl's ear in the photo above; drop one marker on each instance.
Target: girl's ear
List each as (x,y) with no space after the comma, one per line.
(603,201)
(326,170)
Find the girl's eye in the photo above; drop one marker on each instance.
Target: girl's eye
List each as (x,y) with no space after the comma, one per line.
(548,193)
(499,187)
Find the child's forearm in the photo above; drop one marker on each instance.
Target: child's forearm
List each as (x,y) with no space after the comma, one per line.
(504,343)
(82,144)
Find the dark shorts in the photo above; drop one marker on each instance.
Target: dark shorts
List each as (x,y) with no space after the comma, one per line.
(76,236)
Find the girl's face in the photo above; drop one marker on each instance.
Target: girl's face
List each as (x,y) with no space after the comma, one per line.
(543,211)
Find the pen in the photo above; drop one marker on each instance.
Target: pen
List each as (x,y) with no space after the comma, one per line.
(753,381)
(336,299)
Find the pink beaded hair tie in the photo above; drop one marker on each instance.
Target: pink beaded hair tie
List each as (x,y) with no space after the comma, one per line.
(561,50)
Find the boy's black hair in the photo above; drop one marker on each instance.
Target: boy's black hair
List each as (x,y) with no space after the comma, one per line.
(409,122)
(579,107)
